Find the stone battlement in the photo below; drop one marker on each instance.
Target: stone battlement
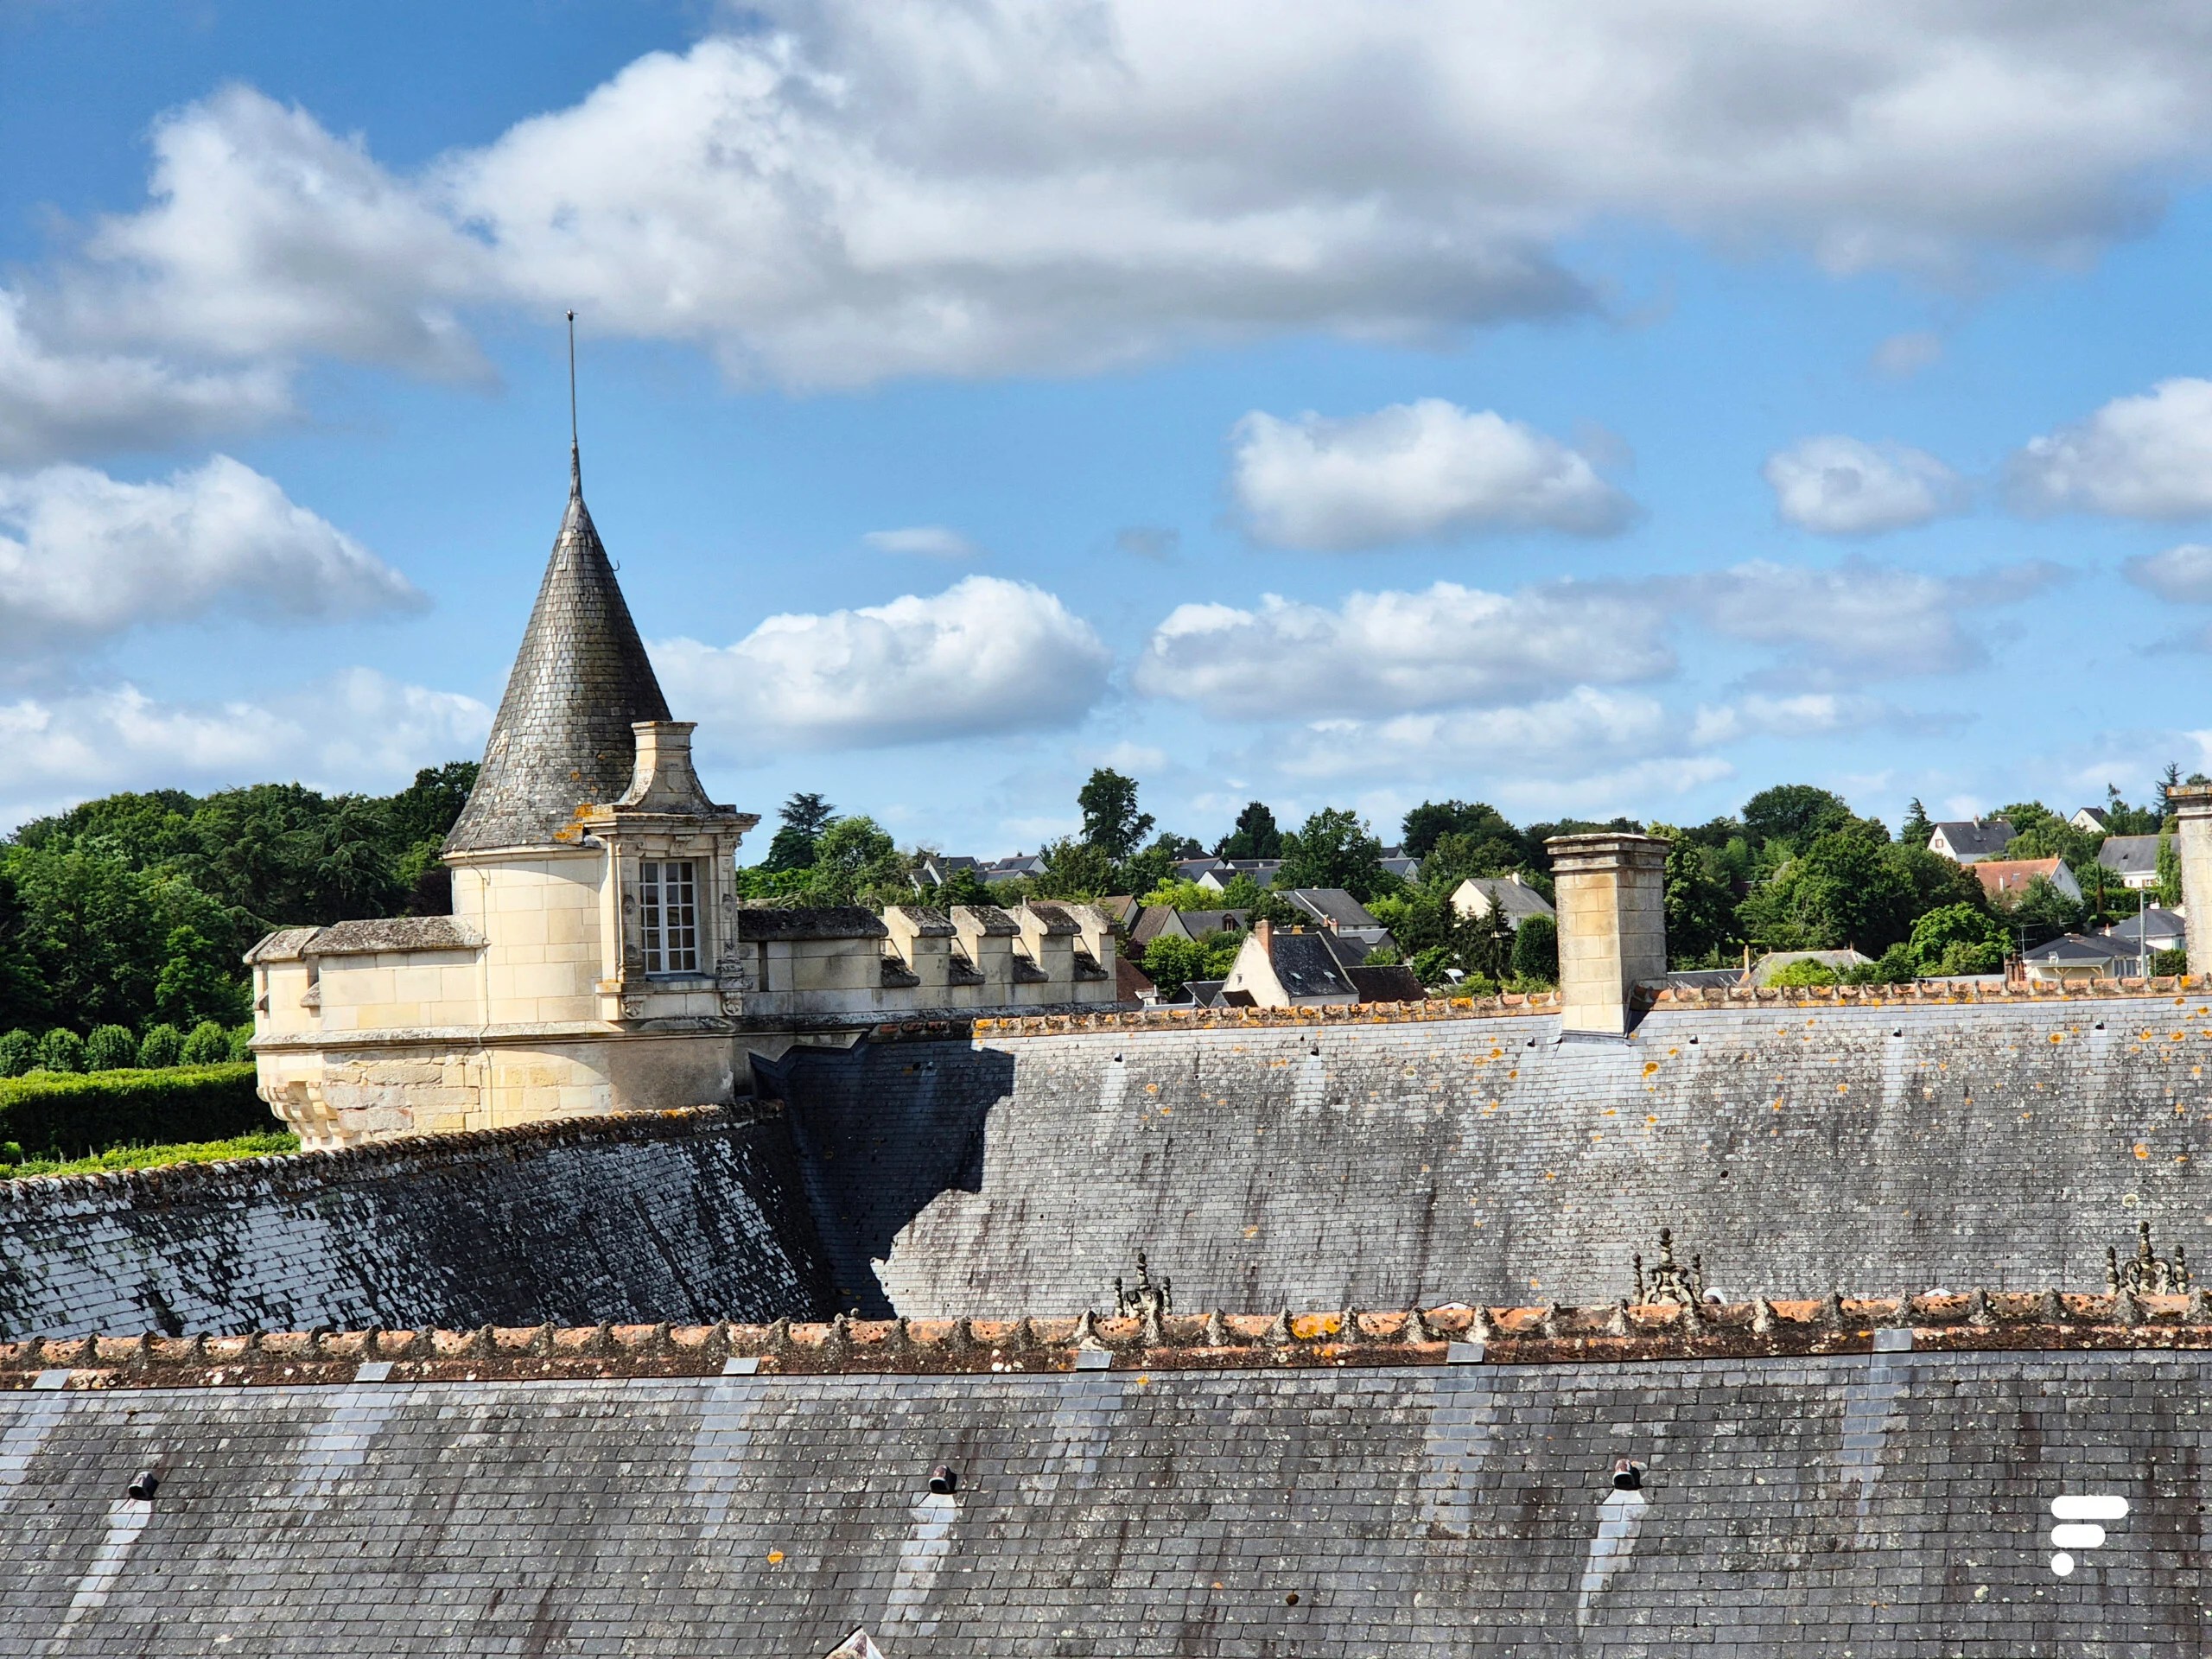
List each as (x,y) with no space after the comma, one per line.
(1940,1321)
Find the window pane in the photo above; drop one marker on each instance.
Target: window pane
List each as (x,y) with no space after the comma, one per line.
(679,901)
(649,915)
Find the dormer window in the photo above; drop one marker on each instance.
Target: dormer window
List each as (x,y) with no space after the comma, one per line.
(668,907)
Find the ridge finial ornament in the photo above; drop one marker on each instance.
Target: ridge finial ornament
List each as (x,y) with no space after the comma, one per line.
(1670,1282)
(1144,1301)
(2148,1275)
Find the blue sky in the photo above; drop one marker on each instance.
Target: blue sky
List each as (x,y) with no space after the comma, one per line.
(1404,401)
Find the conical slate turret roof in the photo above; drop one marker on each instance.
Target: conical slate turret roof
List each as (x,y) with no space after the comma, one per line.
(563,736)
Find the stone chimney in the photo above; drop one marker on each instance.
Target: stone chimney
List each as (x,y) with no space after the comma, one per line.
(2192,804)
(1612,927)
(661,779)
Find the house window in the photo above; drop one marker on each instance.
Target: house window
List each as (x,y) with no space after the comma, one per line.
(668,904)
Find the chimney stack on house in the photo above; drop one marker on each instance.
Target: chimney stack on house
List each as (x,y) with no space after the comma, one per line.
(1612,927)
(2192,804)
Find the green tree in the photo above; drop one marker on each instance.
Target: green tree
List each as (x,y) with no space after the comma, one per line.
(1254,836)
(2168,889)
(18,1053)
(1845,889)
(191,985)
(207,1045)
(162,1044)
(2042,913)
(1185,895)
(111,1048)
(1806,971)
(855,863)
(1536,950)
(1701,903)
(1796,813)
(1956,940)
(1335,848)
(1171,963)
(1153,867)
(801,824)
(1917,828)
(1111,822)
(963,886)
(1471,838)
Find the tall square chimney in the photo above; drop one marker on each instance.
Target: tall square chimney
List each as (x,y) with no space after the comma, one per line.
(1613,926)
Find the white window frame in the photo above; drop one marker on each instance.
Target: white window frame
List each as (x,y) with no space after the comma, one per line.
(668,914)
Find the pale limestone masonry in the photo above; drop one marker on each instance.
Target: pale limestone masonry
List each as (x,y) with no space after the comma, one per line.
(597,958)
(1612,927)
(2192,804)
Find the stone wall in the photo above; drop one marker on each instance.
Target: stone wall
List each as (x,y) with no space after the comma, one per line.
(649,1217)
(1797,1148)
(1876,1506)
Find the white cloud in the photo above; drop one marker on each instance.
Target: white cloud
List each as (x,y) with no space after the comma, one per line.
(986,656)
(2182,574)
(1588,751)
(1836,486)
(2142,457)
(268,236)
(85,556)
(58,404)
(1392,652)
(1808,714)
(1412,472)
(1901,356)
(931,541)
(1860,620)
(862,190)
(355,730)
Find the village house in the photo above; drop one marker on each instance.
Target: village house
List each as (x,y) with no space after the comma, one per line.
(1968,841)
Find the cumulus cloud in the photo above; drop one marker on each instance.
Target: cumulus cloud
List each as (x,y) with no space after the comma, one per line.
(269,236)
(85,556)
(1409,472)
(355,730)
(1590,746)
(1808,714)
(1859,620)
(863,188)
(1391,650)
(931,541)
(1836,486)
(57,403)
(2142,457)
(2182,574)
(986,656)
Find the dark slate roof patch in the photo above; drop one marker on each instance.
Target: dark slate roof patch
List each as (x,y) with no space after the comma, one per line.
(1307,967)
(809,922)
(1393,983)
(562,739)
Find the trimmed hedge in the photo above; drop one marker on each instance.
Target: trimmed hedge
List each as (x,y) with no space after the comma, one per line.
(84,1113)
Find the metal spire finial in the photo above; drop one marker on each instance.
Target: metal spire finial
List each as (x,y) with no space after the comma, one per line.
(576,454)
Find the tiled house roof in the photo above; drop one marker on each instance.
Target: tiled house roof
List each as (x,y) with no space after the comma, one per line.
(562,735)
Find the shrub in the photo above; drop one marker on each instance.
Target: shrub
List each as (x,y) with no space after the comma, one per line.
(1171,963)
(2175,960)
(242,1044)
(209,1045)
(1807,972)
(111,1048)
(76,1115)
(163,1044)
(61,1050)
(18,1053)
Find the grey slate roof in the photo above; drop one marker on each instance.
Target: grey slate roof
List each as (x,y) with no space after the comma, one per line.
(2165,927)
(1331,905)
(563,736)
(1308,967)
(1390,982)
(2129,855)
(1975,837)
